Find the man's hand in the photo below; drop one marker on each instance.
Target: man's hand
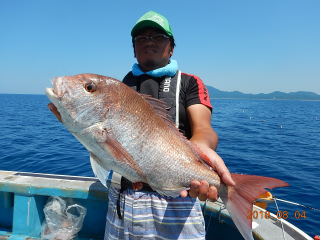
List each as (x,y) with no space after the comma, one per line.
(207,140)
(54,110)
(202,189)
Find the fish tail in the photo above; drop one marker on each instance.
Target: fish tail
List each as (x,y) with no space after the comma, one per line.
(239,199)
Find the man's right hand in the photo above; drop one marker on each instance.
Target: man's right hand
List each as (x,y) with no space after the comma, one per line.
(54,110)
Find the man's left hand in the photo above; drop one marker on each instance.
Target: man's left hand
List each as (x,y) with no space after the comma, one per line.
(202,189)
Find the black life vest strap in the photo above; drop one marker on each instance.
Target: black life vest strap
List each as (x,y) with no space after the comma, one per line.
(169,92)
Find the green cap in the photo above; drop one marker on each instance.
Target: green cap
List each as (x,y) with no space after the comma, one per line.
(152,19)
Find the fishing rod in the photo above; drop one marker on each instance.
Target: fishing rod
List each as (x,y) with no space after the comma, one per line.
(278,199)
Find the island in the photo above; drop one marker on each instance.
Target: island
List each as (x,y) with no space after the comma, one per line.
(300,95)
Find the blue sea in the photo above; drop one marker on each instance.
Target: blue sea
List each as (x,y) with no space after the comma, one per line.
(273,138)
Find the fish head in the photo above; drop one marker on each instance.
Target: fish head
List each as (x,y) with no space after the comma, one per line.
(82,100)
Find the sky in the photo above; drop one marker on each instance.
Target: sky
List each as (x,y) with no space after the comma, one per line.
(251,46)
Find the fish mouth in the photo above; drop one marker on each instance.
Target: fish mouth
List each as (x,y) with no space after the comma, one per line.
(52,96)
(55,93)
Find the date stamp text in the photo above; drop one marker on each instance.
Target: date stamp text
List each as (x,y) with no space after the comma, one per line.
(280,214)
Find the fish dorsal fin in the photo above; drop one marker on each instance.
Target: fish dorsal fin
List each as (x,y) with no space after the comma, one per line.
(160,108)
(158,105)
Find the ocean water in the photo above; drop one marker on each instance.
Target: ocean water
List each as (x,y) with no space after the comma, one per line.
(279,139)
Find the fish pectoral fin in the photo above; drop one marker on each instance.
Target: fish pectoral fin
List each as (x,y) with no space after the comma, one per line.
(169,192)
(121,154)
(100,171)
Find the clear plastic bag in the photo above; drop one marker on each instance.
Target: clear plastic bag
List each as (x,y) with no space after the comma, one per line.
(61,221)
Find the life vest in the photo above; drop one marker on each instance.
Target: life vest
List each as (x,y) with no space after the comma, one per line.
(168,92)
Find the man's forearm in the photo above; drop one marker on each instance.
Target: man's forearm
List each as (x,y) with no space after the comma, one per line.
(207,137)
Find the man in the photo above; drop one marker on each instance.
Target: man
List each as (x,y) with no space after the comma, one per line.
(145,213)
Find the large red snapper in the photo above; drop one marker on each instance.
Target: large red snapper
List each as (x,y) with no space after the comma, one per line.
(129,133)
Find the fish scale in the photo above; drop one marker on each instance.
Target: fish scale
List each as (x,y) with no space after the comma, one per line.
(129,133)
(160,139)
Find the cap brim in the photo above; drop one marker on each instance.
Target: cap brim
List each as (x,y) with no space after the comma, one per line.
(144,24)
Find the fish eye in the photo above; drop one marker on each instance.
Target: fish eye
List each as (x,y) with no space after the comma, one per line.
(90,87)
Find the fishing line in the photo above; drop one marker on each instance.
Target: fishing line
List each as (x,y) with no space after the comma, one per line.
(204,213)
(208,222)
(284,236)
(57,73)
(278,199)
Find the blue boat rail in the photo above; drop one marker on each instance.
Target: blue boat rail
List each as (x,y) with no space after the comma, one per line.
(23,196)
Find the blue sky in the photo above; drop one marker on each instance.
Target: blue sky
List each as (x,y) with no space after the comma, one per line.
(252,46)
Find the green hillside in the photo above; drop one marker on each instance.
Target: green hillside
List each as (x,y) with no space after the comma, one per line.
(301,95)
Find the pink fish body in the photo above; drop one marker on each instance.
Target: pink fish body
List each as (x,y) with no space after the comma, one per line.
(130,134)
